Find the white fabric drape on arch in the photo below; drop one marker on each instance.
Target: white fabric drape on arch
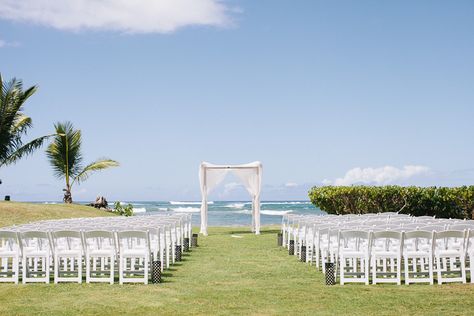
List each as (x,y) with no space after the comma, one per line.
(250,174)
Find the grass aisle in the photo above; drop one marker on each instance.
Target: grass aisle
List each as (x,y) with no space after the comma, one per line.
(234,272)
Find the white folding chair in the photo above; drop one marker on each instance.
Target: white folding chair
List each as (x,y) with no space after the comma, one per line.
(470,252)
(320,232)
(418,255)
(134,256)
(354,256)
(329,247)
(450,256)
(68,250)
(386,257)
(101,253)
(36,256)
(9,257)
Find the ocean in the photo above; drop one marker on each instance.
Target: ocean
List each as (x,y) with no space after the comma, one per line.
(227,213)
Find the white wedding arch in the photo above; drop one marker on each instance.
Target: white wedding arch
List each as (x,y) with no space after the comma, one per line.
(210,175)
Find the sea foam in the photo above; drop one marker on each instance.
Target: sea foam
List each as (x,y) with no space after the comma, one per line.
(275,213)
(235,205)
(139,210)
(188,203)
(185,209)
(265,212)
(285,203)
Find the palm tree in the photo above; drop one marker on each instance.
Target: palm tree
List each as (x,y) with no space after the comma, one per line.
(64,154)
(14,124)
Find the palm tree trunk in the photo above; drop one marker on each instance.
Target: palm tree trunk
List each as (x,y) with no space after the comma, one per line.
(67,195)
(67,191)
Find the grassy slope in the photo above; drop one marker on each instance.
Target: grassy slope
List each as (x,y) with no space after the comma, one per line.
(19,213)
(229,276)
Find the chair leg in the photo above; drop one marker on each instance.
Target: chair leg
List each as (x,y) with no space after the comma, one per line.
(161,259)
(47,267)
(79,269)
(146,270)
(374,270)
(341,270)
(438,268)
(24,270)
(173,254)
(399,270)
(317,258)
(323,264)
(167,256)
(15,266)
(88,269)
(430,270)
(471,268)
(56,269)
(112,269)
(463,269)
(405,263)
(120,270)
(367,265)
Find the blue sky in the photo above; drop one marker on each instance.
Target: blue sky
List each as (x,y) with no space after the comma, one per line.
(334,92)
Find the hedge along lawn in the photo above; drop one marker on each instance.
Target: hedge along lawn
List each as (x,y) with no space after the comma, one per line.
(442,202)
(234,272)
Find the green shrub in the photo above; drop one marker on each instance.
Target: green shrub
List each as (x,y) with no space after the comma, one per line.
(126,210)
(443,202)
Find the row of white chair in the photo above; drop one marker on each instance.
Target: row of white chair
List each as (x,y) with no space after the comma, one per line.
(100,245)
(380,243)
(174,228)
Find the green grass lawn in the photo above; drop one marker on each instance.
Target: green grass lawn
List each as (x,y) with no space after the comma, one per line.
(20,213)
(227,275)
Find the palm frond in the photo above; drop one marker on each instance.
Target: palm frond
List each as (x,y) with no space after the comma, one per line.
(13,123)
(95,166)
(25,150)
(64,152)
(21,124)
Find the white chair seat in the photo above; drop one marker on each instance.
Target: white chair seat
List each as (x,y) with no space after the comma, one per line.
(418,254)
(447,253)
(353,254)
(36,253)
(66,252)
(388,254)
(8,253)
(134,252)
(102,252)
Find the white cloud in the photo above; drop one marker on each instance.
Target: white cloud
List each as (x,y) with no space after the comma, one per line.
(129,16)
(291,184)
(8,44)
(379,176)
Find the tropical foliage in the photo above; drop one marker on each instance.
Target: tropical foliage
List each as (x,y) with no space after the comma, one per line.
(14,124)
(65,156)
(457,202)
(124,210)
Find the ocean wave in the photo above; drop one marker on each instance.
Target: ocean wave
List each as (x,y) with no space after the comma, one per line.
(139,210)
(121,203)
(186,209)
(284,203)
(235,205)
(265,212)
(188,203)
(275,213)
(243,212)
